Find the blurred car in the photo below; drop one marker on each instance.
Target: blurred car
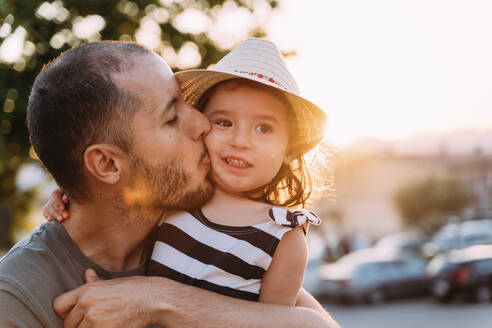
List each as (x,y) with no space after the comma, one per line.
(317,254)
(311,281)
(459,235)
(467,271)
(373,275)
(410,241)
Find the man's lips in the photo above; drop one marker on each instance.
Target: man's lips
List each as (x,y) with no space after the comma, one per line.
(236,162)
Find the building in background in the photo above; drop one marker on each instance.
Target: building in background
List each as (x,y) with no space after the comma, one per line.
(366,182)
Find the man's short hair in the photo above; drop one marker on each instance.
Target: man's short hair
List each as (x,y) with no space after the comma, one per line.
(75,102)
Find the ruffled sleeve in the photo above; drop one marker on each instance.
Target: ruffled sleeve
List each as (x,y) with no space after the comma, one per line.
(288,218)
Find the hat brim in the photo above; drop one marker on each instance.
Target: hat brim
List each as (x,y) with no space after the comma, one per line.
(312,119)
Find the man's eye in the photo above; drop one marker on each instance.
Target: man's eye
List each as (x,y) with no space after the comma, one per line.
(264,128)
(223,123)
(172,121)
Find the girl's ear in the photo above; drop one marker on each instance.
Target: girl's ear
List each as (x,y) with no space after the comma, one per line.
(104,162)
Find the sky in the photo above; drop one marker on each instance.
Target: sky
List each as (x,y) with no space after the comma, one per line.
(391,68)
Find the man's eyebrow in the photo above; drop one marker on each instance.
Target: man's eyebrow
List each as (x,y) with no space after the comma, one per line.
(169,105)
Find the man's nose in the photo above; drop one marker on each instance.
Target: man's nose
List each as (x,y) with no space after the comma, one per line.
(197,124)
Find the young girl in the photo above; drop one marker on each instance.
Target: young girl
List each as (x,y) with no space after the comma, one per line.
(246,242)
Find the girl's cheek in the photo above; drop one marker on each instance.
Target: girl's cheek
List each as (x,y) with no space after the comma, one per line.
(211,140)
(208,139)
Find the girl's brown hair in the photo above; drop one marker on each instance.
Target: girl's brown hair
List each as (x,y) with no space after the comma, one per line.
(293,184)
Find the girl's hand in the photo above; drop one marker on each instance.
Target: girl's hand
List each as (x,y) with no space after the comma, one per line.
(56,207)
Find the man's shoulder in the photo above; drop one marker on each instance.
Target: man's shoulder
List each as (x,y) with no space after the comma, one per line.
(28,278)
(36,270)
(29,263)
(30,252)
(41,255)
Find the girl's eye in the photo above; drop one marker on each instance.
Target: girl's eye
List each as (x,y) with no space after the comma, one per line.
(223,123)
(264,128)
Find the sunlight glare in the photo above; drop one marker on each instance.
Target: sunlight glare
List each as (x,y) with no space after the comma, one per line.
(231,25)
(12,47)
(192,21)
(188,56)
(149,33)
(87,27)
(5,30)
(390,69)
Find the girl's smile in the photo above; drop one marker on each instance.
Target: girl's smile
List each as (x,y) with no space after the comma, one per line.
(237,162)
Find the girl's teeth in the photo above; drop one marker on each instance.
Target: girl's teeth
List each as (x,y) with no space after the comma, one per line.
(236,163)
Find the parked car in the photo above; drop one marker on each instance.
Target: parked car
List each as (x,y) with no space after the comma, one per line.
(410,241)
(373,275)
(459,235)
(467,271)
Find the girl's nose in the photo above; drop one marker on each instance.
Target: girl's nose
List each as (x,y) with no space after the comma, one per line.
(240,139)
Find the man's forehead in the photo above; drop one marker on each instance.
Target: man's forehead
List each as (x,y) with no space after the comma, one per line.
(171,86)
(144,64)
(150,72)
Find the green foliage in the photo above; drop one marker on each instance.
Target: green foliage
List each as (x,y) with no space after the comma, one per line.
(50,27)
(426,203)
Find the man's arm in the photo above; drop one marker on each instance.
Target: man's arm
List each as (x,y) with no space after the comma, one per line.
(307,300)
(140,301)
(14,313)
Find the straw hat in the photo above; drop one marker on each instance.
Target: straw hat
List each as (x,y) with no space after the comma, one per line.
(258,60)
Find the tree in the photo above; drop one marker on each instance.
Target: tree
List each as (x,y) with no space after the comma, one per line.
(425,204)
(34,32)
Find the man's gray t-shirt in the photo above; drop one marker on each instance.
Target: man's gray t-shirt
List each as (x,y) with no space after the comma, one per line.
(40,268)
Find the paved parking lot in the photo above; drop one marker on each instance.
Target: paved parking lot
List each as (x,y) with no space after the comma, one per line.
(420,313)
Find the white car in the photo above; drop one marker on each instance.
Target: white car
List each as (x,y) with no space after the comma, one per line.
(459,235)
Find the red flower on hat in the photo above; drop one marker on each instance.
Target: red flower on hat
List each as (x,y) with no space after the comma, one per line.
(260,76)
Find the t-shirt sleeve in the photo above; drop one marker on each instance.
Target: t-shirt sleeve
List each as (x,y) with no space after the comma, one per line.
(14,310)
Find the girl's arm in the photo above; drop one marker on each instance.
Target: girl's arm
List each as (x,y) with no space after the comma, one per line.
(57,206)
(283,280)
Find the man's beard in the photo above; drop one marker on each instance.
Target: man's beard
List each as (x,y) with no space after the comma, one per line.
(166,186)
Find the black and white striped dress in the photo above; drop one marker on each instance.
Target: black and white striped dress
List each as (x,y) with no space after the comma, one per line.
(229,260)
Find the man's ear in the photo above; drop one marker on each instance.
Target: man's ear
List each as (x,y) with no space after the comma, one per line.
(103,161)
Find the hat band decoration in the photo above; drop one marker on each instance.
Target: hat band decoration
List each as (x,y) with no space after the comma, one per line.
(262,76)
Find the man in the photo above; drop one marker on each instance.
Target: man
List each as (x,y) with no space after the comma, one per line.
(109,123)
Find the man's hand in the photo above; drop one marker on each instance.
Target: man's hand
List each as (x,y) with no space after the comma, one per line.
(106,303)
